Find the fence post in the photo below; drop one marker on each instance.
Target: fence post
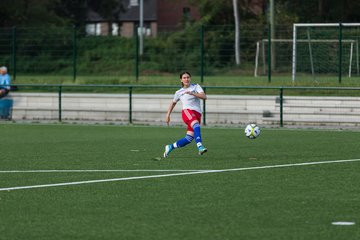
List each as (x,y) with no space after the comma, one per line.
(130,104)
(60,110)
(14,52)
(204,108)
(269,53)
(340,50)
(281,107)
(202,53)
(137,45)
(74,53)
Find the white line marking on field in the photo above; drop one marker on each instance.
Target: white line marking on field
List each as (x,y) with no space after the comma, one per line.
(178,174)
(343,223)
(99,170)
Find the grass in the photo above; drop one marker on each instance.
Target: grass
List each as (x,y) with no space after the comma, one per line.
(294,202)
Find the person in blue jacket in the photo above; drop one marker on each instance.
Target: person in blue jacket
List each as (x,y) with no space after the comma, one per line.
(5,82)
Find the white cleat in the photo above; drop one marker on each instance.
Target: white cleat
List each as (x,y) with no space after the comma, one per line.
(202,150)
(168,149)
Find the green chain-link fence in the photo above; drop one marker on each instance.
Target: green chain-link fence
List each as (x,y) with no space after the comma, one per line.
(203,50)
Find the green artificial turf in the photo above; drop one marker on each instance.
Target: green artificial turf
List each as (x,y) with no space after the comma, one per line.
(260,194)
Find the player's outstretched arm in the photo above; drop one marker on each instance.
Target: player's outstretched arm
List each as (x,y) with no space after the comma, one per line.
(169,111)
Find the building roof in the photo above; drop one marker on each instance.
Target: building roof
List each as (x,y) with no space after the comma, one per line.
(132,12)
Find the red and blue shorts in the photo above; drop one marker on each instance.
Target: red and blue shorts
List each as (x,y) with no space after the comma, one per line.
(189,116)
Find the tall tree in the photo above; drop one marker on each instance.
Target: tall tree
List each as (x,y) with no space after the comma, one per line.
(29,12)
(327,11)
(73,10)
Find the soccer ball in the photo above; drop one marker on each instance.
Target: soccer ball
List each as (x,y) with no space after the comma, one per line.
(252,131)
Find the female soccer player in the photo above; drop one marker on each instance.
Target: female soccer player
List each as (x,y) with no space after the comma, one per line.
(189,95)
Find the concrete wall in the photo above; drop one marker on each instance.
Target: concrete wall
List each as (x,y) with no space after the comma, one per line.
(220,109)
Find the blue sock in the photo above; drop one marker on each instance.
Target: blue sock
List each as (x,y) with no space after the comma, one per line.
(197,134)
(183,142)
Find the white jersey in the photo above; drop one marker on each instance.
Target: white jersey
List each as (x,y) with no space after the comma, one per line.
(189,101)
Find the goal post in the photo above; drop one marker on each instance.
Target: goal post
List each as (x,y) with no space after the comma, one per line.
(335,44)
(262,48)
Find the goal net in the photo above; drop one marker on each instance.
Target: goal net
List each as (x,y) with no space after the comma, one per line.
(313,50)
(325,49)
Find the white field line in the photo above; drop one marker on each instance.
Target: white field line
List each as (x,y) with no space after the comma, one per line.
(99,170)
(178,174)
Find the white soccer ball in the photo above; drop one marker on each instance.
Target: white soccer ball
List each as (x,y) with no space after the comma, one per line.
(252,131)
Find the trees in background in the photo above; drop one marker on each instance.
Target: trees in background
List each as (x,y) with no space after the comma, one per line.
(217,21)
(56,12)
(324,10)
(30,13)
(219,12)
(214,12)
